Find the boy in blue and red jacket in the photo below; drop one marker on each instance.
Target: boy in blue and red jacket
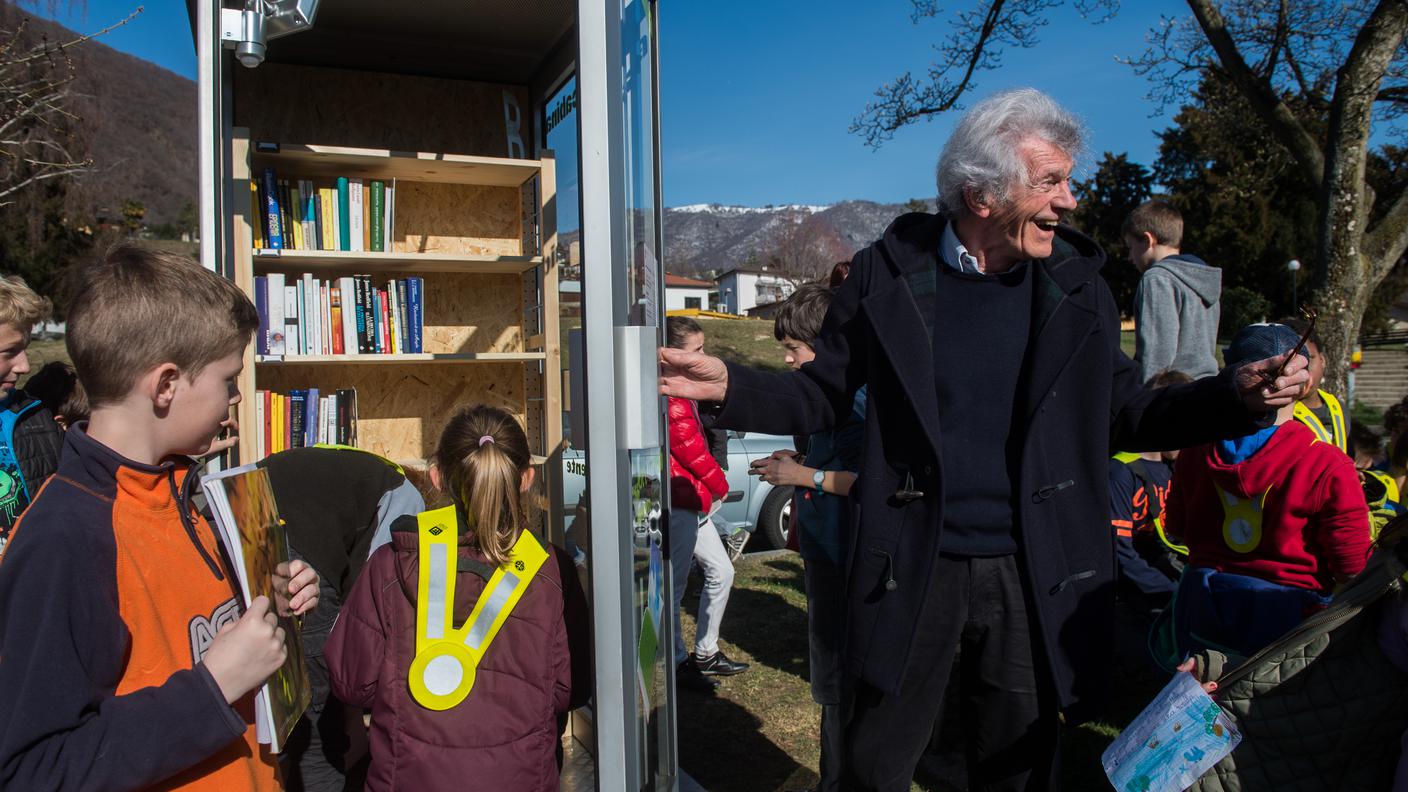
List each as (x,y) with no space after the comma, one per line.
(1273,522)
(125,662)
(1139,485)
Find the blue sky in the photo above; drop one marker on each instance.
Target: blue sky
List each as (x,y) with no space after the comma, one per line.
(757,96)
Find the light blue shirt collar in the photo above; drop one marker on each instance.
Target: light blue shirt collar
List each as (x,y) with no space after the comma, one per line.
(954,255)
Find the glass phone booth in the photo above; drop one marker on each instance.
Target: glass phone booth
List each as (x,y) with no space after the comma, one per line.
(557,102)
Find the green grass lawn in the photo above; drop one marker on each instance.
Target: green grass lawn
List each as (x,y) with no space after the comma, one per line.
(42,351)
(759,732)
(749,342)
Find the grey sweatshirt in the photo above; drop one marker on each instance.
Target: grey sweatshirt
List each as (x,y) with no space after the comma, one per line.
(1176,309)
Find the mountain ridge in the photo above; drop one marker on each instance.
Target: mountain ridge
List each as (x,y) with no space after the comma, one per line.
(137,121)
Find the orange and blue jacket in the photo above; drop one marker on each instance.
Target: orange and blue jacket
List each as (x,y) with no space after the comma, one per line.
(111,589)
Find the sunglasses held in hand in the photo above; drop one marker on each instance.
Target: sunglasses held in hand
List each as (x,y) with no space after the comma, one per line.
(1269,380)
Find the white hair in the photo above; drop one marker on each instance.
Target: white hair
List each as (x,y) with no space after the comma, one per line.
(984,153)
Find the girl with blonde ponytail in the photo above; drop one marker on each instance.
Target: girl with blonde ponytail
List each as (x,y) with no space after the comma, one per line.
(476,694)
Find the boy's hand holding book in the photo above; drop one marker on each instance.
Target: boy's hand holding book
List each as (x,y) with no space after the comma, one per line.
(246,652)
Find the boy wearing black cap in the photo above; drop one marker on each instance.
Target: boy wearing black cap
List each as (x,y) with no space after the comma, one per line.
(1273,521)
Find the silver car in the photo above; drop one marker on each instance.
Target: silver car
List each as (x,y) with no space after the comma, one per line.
(752,506)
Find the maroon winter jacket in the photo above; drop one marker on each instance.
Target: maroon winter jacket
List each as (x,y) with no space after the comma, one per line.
(504,735)
(696,480)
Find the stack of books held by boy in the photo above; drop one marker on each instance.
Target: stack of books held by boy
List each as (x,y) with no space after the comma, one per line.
(304,417)
(344,316)
(353,215)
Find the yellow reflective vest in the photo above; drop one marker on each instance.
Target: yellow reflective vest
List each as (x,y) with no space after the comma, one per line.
(442,673)
(1336,433)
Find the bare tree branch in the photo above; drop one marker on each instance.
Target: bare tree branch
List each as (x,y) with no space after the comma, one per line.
(1271,107)
(975,45)
(36,125)
(1387,241)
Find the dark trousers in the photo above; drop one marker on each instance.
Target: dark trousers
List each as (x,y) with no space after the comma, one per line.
(326,752)
(826,632)
(1008,709)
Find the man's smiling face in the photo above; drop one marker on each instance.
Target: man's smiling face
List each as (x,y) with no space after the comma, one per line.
(1025,224)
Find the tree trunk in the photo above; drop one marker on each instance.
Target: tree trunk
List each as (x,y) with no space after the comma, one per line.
(1341,303)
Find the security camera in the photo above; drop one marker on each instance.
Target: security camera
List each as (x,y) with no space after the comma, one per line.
(248,31)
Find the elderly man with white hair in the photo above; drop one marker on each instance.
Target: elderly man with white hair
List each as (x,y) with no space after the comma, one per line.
(997,391)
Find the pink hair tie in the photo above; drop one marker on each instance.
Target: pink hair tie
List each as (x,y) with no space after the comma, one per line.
(485,439)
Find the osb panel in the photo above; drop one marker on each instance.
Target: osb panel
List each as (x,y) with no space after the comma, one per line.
(402,409)
(335,107)
(472,313)
(456,218)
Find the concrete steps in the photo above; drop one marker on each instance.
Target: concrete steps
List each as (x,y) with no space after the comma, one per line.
(1382,380)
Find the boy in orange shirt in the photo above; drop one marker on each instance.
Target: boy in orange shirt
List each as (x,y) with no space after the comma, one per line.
(125,662)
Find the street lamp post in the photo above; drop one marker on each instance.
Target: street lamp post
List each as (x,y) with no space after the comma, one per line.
(1294,266)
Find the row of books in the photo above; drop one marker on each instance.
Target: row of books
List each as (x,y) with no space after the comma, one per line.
(344,316)
(354,215)
(304,417)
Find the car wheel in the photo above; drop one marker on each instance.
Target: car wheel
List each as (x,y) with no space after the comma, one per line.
(774,519)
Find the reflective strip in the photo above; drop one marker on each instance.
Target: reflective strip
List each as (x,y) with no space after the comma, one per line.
(1124,533)
(494,604)
(1337,421)
(1335,433)
(435,621)
(444,668)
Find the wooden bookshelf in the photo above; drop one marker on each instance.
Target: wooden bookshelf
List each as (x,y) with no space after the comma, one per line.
(464,357)
(320,261)
(480,231)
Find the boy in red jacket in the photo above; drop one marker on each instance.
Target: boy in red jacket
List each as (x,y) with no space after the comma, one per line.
(1273,522)
(696,482)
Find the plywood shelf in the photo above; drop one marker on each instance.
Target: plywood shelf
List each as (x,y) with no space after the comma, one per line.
(472,226)
(310,161)
(457,357)
(342,260)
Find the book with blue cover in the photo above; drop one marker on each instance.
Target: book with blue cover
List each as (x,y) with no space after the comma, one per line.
(273,239)
(261,304)
(298,416)
(415,298)
(1177,738)
(312,423)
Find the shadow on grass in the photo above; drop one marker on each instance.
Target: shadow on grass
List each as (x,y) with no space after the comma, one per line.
(722,747)
(777,634)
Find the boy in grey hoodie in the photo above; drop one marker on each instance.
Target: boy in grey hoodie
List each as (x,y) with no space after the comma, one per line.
(1176,305)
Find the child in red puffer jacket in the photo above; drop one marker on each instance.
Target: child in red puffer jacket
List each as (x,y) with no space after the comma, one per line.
(696,483)
(466,637)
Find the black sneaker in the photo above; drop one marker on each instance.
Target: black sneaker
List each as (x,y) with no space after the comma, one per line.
(687,677)
(718,664)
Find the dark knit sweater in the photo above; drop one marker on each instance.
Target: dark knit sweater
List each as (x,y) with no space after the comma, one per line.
(980,334)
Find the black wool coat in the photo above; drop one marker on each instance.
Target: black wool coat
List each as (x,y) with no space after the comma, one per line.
(1080,396)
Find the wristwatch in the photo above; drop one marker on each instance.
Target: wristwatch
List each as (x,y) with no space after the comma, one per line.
(818,479)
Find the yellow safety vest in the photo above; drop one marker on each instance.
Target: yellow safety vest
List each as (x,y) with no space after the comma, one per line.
(446,657)
(1335,433)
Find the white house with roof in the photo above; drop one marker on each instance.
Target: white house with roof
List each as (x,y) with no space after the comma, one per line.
(682,292)
(741,289)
